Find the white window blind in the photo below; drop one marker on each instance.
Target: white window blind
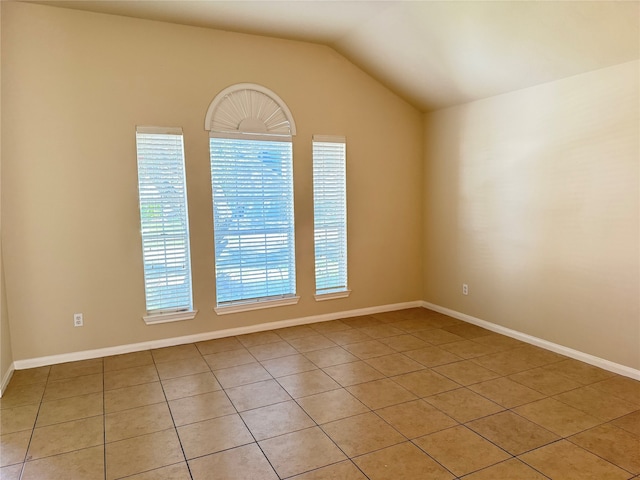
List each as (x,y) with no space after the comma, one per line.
(252,184)
(330,213)
(164,220)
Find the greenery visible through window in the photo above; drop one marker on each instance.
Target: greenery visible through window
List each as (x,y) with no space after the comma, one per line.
(164,220)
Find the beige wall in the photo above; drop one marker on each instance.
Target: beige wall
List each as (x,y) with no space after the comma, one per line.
(6,354)
(76,84)
(532,199)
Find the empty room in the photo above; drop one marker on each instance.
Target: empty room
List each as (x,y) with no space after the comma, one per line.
(319,240)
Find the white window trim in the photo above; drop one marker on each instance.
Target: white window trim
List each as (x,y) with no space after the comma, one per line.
(256,305)
(321,297)
(169,317)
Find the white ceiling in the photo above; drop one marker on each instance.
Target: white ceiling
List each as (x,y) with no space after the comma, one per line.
(433,53)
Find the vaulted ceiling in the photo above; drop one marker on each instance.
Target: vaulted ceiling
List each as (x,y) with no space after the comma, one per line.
(433,53)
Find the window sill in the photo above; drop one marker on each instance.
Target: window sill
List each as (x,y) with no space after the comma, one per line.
(245,307)
(169,317)
(321,297)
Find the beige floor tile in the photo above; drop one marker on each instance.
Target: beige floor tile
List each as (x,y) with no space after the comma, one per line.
(190,385)
(512,433)
(330,356)
(597,403)
(401,461)
(333,405)
(557,417)
(300,452)
(247,462)
(465,372)
(258,338)
(415,419)
(273,420)
(212,436)
(579,371)
(181,368)
(29,376)
(85,464)
(230,358)
(362,434)
(141,454)
(613,444)
(512,469)
(467,330)
(75,369)
(18,419)
(437,336)
(279,367)
(544,381)
(460,450)
(72,408)
(425,382)
(71,387)
(499,341)
(507,362)
(412,325)
(219,345)
(362,321)
(127,360)
(380,393)
(469,349)
(566,461)
(630,423)
(259,394)
(178,352)
(137,421)
(128,377)
(338,471)
(506,392)
(382,331)
(18,395)
(330,326)
(178,471)
(12,472)
(311,343)
(391,317)
(307,383)
(395,364)
(272,350)
(625,388)
(404,343)
(345,337)
(200,407)
(13,447)
(66,437)
(463,405)
(131,397)
(298,331)
(241,375)
(348,374)
(432,356)
(368,349)
(540,356)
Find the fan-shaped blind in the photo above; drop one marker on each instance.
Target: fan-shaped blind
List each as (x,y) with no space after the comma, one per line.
(249,109)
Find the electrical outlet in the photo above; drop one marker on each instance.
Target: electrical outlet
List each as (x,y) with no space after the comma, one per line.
(465,289)
(78,320)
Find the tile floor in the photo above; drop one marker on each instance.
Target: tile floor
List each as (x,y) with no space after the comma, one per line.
(401,395)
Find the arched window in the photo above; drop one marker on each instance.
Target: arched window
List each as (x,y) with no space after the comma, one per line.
(251,131)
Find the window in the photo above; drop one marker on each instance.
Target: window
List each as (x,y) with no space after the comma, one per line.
(330,216)
(165,224)
(252,185)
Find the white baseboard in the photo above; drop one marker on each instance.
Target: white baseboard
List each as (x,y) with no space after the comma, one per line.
(6,378)
(201,337)
(538,342)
